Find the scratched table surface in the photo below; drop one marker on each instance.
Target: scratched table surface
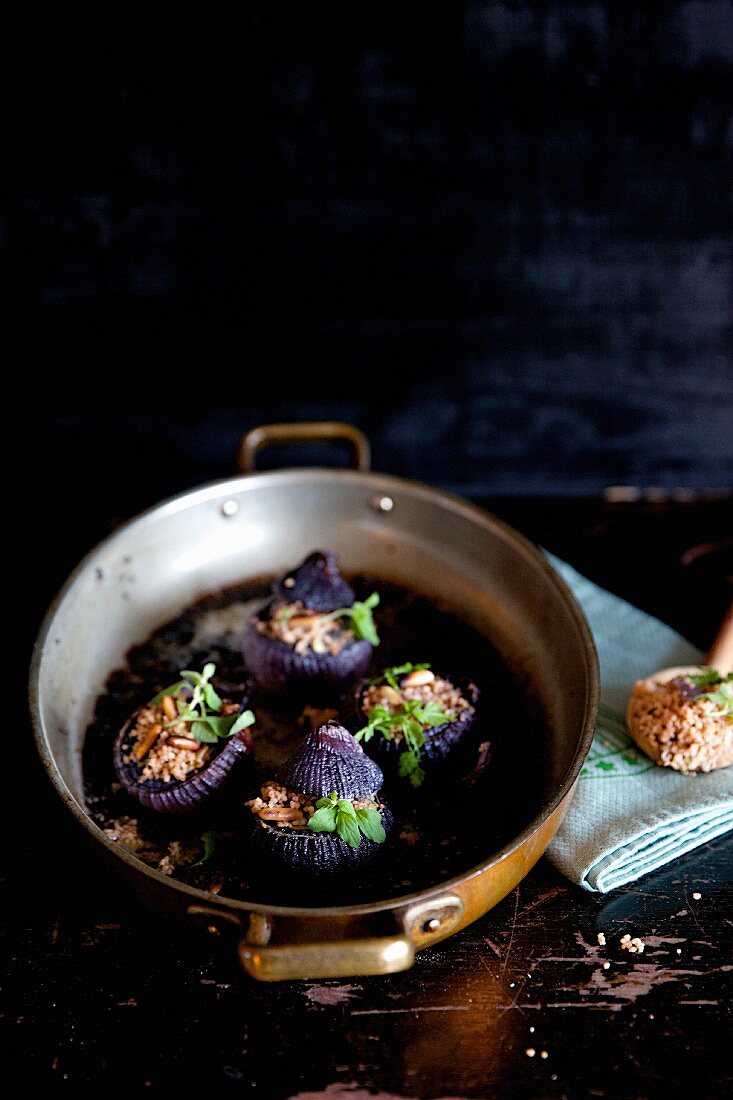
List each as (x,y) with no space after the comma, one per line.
(98,991)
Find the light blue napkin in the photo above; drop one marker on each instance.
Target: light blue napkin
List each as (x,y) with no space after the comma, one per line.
(628,816)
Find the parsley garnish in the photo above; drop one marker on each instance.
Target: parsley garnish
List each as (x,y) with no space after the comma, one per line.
(360,614)
(200,710)
(340,816)
(410,719)
(711,678)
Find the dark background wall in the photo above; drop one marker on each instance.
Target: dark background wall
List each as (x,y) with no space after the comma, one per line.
(495,235)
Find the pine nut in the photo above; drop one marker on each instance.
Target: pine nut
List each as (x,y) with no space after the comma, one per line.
(417,678)
(184,743)
(169,707)
(143,747)
(303,620)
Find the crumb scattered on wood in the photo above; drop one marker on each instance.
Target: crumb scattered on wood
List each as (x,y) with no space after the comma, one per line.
(632,944)
(697,895)
(601,939)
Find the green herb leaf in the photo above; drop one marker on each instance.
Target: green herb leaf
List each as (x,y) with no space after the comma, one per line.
(242,722)
(339,815)
(362,620)
(413,732)
(370,823)
(391,675)
(348,828)
(200,731)
(222,727)
(724,699)
(210,841)
(324,820)
(430,715)
(213,701)
(203,706)
(172,690)
(722,696)
(407,763)
(408,767)
(706,677)
(410,721)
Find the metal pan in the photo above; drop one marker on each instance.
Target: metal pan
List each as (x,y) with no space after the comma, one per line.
(155,565)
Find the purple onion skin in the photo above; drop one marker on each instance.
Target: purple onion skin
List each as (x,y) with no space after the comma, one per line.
(330,759)
(313,855)
(686,687)
(184,796)
(441,742)
(316,583)
(276,667)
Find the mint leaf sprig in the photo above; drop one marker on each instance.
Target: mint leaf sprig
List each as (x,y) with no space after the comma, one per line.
(201,709)
(340,816)
(360,614)
(723,696)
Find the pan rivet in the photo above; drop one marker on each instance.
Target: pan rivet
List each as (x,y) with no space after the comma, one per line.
(431,925)
(229,508)
(382,503)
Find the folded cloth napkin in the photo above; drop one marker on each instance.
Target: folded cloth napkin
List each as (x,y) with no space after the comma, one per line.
(628,816)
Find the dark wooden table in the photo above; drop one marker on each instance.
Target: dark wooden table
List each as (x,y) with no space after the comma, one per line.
(97,991)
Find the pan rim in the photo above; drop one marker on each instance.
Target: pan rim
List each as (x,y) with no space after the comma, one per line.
(373,480)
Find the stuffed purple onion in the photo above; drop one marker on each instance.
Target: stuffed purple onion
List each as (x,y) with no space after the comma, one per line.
(411,718)
(313,634)
(183,747)
(322,816)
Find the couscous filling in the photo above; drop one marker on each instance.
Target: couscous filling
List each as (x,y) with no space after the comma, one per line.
(162,748)
(437,692)
(279,806)
(303,629)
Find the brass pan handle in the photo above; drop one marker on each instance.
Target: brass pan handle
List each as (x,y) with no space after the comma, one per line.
(328,431)
(338,959)
(328,958)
